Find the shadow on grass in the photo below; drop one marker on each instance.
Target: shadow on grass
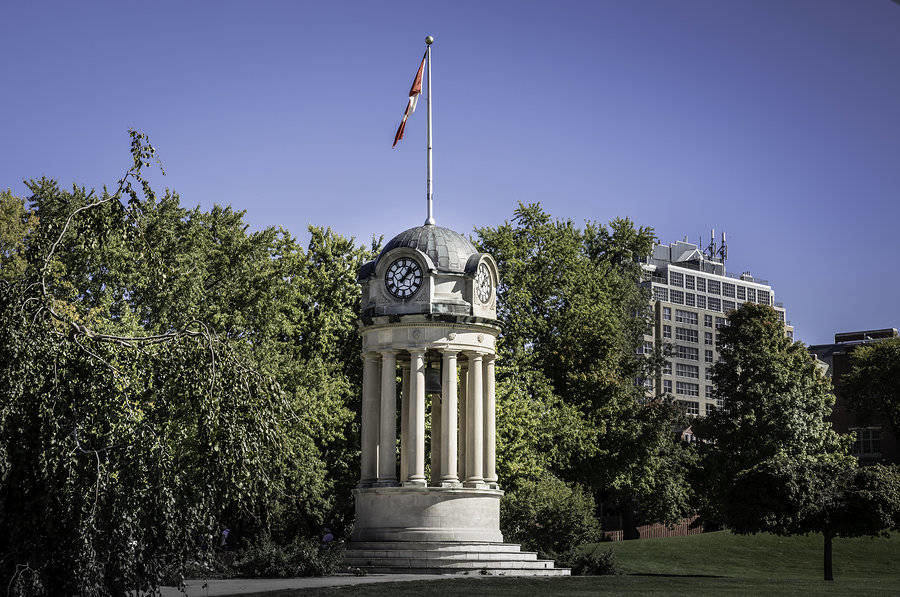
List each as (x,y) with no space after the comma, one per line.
(676,575)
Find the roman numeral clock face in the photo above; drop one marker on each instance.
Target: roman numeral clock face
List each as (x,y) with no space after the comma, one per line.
(403,278)
(483,283)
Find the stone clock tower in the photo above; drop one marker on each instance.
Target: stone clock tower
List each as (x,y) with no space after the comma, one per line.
(429,317)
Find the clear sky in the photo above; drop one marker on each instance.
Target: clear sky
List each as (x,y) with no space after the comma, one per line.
(777,121)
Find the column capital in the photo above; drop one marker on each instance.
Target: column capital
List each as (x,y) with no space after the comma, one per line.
(450,351)
(371,355)
(475,354)
(388,351)
(418,351)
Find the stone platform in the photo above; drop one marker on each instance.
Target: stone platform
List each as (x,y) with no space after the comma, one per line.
(448,557)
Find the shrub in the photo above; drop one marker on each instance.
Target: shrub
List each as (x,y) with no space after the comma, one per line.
(549,516)
(592,562)
(302,557)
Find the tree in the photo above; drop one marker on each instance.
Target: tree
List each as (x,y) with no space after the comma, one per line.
(15,224)
(872,386)
(771,461)
(573,314)
(164,373)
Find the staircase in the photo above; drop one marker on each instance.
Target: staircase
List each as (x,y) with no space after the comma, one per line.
(420,557)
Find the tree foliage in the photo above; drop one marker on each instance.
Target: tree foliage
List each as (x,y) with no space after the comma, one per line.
(573,314)
(872,386)
(16,222)
(771,460)
(164,373)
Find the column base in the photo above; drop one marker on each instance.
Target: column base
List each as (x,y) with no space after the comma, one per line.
(415,483)
(475,485)
(451,483)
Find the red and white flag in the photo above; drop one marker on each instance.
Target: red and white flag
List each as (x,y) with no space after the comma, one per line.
(414,93)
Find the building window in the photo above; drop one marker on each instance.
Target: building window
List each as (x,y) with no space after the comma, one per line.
(667,367)
(790,335)
(676,296)
(708,356)
(728,306)
(690,407)
(708,338)
(751,295)
(868,442)
(701,284)
(763,297)
(667,386)
(707,320)
(781,314)
(686,334)
(676,279)
(709,374)
(721,322)
(709,393)
(686,388)
(667,331)
(682,370)
(727,289)
(713,287)
(689,317)
(687,352)
(689,282)
(714,304)
(710,408)
(667,313)
(701,301)
(660,293)
(741,293)
(648,347)
(689,299)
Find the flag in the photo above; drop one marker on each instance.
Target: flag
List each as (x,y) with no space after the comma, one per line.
(414,93)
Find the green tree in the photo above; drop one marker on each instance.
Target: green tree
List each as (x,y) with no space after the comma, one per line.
(15,224)
(165,373)
(872,386)
(771,460)
(573,316)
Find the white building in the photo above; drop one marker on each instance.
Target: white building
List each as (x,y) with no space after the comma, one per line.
(691,294)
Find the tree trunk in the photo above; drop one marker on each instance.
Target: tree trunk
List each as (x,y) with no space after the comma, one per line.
(829,574)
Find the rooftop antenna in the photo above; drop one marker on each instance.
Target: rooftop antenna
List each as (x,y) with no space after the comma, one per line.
(723,250)
(711,249)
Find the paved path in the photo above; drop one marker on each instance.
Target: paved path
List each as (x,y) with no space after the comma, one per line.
(282,587)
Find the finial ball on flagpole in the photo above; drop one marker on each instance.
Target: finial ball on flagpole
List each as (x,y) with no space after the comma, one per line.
(429,40)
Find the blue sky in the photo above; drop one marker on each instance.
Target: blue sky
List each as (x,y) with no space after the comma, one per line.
(777,121)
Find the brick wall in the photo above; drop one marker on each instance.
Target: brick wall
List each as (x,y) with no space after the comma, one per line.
(651,531)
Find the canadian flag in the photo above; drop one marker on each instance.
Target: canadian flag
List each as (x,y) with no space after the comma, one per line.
(414,92)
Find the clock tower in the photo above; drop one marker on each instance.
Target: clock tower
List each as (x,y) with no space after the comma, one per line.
(428,498)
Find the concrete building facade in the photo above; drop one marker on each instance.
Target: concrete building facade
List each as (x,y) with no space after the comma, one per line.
(692,293)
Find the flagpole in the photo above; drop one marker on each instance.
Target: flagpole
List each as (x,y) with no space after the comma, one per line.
(429,183)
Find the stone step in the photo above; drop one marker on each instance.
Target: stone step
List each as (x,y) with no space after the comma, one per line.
(488,571)
(433,554)
(433,546)
(415,563)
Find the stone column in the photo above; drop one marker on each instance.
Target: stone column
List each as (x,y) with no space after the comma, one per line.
(490,423)
(369,420)
(449,473)
(475,424)
(464,379)
(387,438)
(416,455)
(436,439)
(404,422)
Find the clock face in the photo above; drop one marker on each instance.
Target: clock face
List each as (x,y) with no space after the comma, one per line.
(483,283)
(403,277)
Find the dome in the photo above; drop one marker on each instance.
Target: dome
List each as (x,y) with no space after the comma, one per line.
(448,249)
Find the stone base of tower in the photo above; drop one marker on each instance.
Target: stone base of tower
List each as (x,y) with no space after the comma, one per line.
(436,530)
(427,514)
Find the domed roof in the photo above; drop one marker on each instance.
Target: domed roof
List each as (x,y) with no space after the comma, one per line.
(448,249)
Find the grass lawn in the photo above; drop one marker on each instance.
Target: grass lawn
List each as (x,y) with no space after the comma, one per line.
(711,564)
